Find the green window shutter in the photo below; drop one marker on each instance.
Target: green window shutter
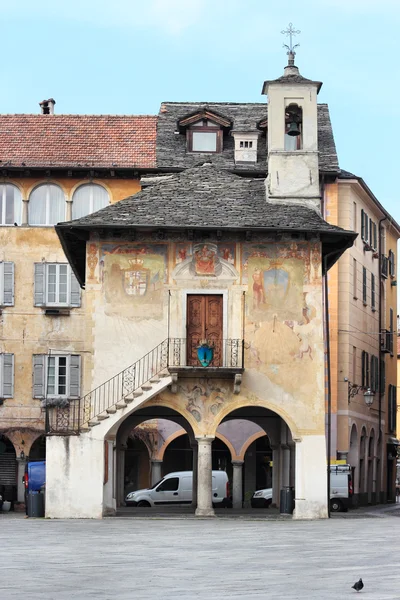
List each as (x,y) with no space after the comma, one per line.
(8,284)
(362,225)
(39,362)
(40,284)
(8,375)
(74,376)
(75,294)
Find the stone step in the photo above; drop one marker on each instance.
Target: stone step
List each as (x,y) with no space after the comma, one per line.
(111,410)
(164,374)
(129,399)
(146,387)
(93,423)
(155,380)
(103,416)
(137,393)
(85,428)
(120,404)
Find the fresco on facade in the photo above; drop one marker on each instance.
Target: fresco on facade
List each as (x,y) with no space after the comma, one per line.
(133,277)
(205,257)
(283,319)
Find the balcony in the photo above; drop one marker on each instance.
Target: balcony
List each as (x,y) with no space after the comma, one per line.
(225,359)
(386,341)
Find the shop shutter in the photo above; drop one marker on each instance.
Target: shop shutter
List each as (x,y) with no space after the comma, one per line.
(8,469)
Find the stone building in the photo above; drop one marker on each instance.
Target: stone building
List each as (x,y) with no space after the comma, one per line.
(362,309)
(209,283)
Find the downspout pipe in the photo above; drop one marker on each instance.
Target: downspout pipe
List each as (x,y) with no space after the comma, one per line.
(328,368)
(380,353)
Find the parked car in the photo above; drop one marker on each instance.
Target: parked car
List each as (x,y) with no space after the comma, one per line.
(262,498)
(176,488)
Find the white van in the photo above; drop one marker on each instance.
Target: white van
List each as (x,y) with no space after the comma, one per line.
(341,487)
(176,488)
(341,490)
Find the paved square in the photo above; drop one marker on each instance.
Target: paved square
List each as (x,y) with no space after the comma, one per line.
(134,559)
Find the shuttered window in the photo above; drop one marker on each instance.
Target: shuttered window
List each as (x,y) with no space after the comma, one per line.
(56,285)
(7,283)
(56,376)
(7,375)
(372,291)
(374,373)
(364,285)
(392,408)
(392,266)
(364,369)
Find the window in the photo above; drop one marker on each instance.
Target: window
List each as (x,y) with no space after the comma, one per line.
(6,375)
(392,267)
(56,376)
(364,369)
(368,231)
(246,144)
(6,284)
(56,285)
(364,285)
(392,408)
(204,136)
(169,485)
(10,204)
(88,199)
(374,239)
(374,373)
(382,386)
(391,335)
(293,127)
(354,364)
(372,291)
(355,296)
(354,216)
(46,205)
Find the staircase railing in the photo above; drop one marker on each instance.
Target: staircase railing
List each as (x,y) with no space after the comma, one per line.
(69,419)
(74,415)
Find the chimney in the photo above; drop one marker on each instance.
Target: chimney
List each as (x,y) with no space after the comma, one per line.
(47,106)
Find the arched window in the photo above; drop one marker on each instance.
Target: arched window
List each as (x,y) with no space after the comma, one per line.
(10,204)
(293,127)
(46,205)
(87,199)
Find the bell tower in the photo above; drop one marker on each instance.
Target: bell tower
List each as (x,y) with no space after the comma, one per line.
(293,174)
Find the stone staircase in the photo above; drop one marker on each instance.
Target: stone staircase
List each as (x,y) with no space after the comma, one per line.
(129,403)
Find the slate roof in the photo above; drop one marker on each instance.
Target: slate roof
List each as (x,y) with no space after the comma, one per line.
(201,197)
(66,141)
(171,148)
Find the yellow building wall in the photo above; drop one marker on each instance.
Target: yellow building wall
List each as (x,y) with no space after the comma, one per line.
(25,329)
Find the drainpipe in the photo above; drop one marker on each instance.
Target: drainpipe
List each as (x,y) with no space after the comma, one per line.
(380,353)
(328,368)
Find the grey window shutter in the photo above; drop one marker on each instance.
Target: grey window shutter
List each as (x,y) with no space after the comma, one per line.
(75,299)
(8,284)
(8,376)
(40,284)
(74,376)
(39,361)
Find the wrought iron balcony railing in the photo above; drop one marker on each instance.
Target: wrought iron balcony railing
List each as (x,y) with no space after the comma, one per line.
(73,415)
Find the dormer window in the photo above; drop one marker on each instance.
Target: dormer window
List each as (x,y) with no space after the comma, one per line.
(204,131)
(245,146)
(204,136)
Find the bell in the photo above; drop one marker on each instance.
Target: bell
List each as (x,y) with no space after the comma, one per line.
(293,129)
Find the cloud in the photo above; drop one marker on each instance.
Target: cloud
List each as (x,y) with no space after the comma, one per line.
(170,16)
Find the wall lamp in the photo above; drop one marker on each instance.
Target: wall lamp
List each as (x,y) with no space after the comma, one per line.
(353,389)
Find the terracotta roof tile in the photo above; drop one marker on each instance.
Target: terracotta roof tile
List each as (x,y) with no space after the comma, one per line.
(78,140)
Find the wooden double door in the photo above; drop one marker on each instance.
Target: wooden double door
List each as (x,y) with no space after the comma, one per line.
(204,322)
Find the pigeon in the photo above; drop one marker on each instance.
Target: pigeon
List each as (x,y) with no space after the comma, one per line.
(358,586)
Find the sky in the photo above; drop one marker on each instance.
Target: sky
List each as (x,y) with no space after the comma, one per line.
(127,56)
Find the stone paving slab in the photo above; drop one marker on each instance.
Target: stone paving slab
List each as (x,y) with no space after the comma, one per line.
(135,559)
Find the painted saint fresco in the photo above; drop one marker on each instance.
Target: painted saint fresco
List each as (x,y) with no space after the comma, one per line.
(133,277)
(205,257)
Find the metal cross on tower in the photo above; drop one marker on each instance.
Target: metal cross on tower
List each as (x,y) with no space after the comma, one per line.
(290,32)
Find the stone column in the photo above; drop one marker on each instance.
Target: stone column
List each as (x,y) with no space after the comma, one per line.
(276,455)
(109,507)
(155,470)
(20,473)
(24,216)
(69,209)
(195,449)
(237,485)
(204,486)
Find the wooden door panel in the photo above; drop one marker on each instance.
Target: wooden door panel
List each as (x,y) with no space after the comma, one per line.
(204,322)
